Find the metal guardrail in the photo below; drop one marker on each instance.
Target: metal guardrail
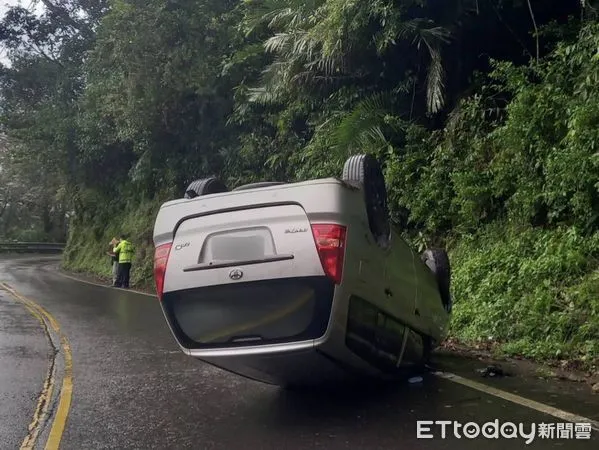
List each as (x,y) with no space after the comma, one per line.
(31,247)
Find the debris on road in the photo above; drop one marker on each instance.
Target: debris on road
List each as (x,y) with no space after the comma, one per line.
(492,370)
(415,380)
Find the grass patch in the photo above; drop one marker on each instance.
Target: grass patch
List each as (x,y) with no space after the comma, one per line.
(534,292)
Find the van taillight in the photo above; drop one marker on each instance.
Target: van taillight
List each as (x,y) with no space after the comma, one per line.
(160,260)
(330,243)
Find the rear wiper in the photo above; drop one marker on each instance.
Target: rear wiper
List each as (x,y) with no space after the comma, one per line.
(245,262)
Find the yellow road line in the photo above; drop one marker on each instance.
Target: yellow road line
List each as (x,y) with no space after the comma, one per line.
(43,402)
(66,392)
(537,406)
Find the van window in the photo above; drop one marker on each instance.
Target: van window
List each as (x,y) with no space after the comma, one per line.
(253,313)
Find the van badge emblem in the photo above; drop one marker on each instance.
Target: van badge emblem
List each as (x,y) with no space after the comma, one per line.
(295,230)
(236,274)
(180,246)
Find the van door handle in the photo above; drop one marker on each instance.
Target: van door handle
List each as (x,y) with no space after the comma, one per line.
(388,292)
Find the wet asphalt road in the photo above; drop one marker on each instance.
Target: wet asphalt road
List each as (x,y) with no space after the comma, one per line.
(23,355)
(134,389)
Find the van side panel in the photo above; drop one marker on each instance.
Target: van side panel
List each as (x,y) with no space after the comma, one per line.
(433,314)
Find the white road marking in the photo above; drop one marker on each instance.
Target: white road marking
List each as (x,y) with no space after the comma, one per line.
(531,404)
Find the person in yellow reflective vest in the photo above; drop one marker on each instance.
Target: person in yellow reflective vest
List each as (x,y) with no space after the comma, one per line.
(125,251)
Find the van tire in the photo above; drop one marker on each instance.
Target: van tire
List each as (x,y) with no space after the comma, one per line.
(365,171)
(205,186)
(437,261)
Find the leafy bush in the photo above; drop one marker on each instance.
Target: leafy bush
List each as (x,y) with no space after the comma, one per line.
(532,290)
(523,150)
(89,242)
(534,159)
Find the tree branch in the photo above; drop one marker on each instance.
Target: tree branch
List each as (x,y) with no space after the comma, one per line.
(33,45)
(66,18)
(3,210)
(534,23)
(510,29)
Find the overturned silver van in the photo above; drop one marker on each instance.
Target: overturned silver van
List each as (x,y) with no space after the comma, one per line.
(298,283)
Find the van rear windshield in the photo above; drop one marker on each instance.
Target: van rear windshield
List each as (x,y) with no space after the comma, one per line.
(253,313)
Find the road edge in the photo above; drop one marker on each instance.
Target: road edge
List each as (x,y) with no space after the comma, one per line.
(61,413)
(66,274)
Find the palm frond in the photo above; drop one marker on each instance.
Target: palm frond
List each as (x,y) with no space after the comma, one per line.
(362,127)
(435,82)
(279,14)
(419,28)
(278,43)
(423,33)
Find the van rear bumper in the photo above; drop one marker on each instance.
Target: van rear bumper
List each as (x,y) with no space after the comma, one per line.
(289,367)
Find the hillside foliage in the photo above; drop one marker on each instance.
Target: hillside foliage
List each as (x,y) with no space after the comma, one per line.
(482,112)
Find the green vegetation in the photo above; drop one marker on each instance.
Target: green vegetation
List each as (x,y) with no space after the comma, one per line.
(482,111)
(533,290)
(88,245)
